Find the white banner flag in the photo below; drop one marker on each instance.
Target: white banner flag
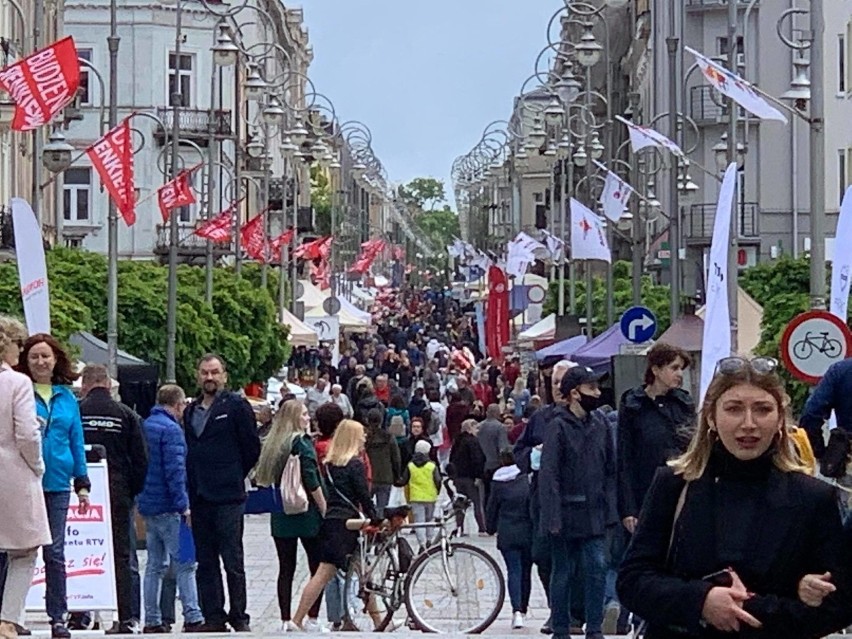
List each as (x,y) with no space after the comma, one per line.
(841,264)
(739,90)
(716,341)
(642,137)
(32,269)
(588,239)
(615,195)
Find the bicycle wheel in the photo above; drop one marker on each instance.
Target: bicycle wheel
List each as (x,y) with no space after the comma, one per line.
(463,596)
(369,593)
(803,349)
(833,348)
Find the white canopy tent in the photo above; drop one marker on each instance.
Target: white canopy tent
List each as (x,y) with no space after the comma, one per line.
(348,321)
(545,329)
(300,333)
(345,304)
(312,295)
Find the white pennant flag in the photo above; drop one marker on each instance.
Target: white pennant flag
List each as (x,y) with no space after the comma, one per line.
(616,194)
(588,239)
(739,90)
(554,245)
(642,137)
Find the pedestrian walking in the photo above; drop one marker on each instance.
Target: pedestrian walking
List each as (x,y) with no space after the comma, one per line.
(24,524)
(164,506)
(384,456)
(337,397)
(468,466)
(223,447)
(47,364)
(494,438)
(423,480)
(118,430)
(289,437)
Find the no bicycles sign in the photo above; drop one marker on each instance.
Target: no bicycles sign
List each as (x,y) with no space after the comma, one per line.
(812,342)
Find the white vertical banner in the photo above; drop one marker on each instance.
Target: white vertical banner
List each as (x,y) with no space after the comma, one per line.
(841,268)
(716,342)
(32,269)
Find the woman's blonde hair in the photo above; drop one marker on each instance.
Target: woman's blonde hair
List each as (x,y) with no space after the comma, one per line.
(470,426)
(520,385)
(11,330)
(366,384)
(286,427)
(346,444)
(693,462)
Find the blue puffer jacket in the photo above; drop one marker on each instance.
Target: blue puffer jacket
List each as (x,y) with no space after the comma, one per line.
(62,442)
(165,483)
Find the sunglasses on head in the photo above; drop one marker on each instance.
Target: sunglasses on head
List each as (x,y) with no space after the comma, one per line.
(735,365)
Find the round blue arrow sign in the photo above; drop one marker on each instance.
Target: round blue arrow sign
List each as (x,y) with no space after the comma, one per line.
(638,324)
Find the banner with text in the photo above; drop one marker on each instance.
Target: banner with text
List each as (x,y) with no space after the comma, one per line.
(32,268)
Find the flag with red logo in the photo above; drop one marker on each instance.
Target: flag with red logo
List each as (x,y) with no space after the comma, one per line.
(253,238)
(314,250)
(615,196)
(642,137)
(321,274)
(588,239)
(275,245)
(176,193)
(497,318)
(219,228)
(42,84)
(112,157)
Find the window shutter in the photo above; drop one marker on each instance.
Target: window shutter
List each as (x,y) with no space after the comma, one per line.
(848,59)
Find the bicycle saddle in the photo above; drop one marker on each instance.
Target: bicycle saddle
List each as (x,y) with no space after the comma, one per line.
(399,512)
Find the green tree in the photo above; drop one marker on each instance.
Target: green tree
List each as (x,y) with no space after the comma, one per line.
(423,193)
(439,226)
(321,200)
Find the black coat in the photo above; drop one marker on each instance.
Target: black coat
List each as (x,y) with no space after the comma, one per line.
(577,476)
(467,457)
(650,432)
(364,405)
(771,527)
(507,512)
(218,461)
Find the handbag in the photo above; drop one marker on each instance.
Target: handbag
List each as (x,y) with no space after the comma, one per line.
(294,497)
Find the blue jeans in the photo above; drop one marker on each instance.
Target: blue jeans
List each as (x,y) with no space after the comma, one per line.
(56,597)
(334,599)
(519,572)
(163,542)
(567,553)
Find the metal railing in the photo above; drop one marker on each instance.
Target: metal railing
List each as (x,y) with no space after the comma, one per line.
(188,241)
(708,106)
(698,225)
(710,4)
(195,121)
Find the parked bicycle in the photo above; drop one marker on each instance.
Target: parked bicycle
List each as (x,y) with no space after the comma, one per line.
(450,587)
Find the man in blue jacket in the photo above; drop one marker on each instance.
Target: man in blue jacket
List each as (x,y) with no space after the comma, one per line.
(833,393)
(223,447)
(163,503)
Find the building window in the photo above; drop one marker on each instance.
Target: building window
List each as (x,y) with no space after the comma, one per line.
(723,50)
(77,194)
(841,63)
(85,91)
(184,214)
(842,167)
(183,70)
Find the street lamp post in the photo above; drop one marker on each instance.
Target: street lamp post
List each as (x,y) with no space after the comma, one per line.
(817,156)
(734,231)
(112,213)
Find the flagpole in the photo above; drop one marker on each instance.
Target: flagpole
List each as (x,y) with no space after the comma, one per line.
(112,214)
(562,211)
(672,43)
(733,267)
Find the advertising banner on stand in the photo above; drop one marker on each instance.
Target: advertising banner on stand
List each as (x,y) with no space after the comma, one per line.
(32,268)
(88,553)
(497,313)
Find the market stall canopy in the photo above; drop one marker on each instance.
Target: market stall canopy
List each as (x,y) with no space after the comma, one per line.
(353,310)
(749,321)
(300,333)
(686,333)
(565,348)
(312,296)
(597,354)
(348,321)
(94,350)
(362,295)
(544,329)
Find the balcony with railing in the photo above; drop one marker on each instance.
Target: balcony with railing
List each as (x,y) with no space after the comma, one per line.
(194,124)
(707,106)
(698,225)
(192,248)
(709,5)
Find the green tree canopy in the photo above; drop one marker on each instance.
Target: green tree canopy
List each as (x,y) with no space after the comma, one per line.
(423,193)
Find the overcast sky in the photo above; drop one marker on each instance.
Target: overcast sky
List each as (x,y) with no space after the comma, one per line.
(425,76)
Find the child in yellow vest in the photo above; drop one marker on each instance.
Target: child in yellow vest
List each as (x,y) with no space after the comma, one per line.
(423,480)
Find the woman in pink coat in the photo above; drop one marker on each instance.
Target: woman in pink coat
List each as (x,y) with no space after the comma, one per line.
(23,527)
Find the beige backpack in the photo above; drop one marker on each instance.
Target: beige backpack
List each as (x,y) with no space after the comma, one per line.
(294,497)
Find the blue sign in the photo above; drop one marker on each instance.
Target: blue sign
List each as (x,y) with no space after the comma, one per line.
(638,324)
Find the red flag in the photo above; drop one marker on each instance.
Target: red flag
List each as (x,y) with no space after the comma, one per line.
(497,318)
(219,228)
(253,238)
(42,84)
(322,274)
(112,157)
(275,245)
(176,193)
(314,250)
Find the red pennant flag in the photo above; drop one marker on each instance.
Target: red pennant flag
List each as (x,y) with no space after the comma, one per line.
(176,193)
(42,84)
(318,248)
(112,157)
(275,245)
(219,228)
(253,238)
(322,274)
(497,317)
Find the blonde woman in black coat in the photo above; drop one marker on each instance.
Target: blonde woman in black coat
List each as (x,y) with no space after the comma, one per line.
(731,530)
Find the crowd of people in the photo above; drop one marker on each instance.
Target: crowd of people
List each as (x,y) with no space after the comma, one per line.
(653,518)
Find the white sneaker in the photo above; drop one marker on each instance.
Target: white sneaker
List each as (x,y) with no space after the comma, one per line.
(517,621)
(313,625)
(289,626)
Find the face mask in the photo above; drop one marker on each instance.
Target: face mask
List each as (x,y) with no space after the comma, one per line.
(589,402)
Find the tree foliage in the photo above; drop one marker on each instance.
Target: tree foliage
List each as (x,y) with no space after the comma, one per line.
(439,226)
(240,324)
(321,200)
(423,193)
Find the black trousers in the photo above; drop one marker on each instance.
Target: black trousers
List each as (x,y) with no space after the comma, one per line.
(217,530)
(286,549)
(121,505)
(467,487)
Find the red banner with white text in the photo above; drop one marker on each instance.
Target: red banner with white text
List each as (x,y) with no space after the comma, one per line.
(253,238)
(176,193)
(112,157)
(497,317)
(275,245)
(42,84)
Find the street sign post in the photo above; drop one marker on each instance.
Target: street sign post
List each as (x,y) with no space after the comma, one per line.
(638,324)
(812,342)
(331,305)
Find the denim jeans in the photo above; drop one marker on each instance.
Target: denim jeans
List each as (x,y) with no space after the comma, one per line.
(163,541)
(56,599)
(381,492)
(334,598)
(519,573)
(567,554)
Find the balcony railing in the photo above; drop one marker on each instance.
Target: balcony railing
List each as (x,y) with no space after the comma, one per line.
(699,221)
(189,244)
(708,106)
(710,4)
(194,123)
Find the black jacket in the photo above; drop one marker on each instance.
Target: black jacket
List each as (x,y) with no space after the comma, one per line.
(577,476)
(118,429)
(364,405)
(384,455)
(650,432)
(347,491)
(219,460)
(508,510)
(771,527)
(467,457)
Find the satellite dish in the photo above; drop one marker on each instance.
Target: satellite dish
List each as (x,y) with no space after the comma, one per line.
(331,305)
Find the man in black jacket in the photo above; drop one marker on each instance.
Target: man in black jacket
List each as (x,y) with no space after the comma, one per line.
(577,490)
(223,446)
(118,429)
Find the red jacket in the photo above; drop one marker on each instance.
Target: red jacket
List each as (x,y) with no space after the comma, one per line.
(484,393)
